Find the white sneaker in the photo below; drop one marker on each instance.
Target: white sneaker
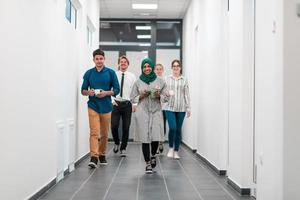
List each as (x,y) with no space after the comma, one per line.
(123,153)
(176,156)
(170,153)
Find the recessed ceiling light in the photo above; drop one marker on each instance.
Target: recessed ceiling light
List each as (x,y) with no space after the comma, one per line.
(144,6)
(144,36)
(143,27)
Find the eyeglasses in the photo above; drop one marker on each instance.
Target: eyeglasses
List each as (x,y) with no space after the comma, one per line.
(176,65)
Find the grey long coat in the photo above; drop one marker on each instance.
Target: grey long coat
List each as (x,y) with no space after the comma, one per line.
(148,116)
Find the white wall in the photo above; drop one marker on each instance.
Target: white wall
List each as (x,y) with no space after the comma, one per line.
(226,93)
(205,67)
(42,61)
(269,98)
(291,66)
(241,83)
(218,61)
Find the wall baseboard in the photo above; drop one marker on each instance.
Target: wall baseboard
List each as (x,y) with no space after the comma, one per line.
(241,191)
(220,172)
(42,191)
(212,166)
(81,159)
(188,147)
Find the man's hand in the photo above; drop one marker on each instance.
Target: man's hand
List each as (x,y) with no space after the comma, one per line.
(134,107)
(103,94)
(91,92)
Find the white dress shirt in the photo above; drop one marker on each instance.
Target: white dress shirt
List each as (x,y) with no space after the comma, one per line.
(129,79)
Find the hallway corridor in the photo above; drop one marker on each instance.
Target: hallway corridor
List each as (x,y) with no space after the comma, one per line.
(230,67)
(124,178)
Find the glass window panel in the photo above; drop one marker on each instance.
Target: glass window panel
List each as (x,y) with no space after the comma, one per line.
(111,59)
(165,57)
(73,16)
(168,33)
(135,60)
(134,33)
(68,10)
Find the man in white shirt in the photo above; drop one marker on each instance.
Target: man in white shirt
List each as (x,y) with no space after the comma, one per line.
(122,106)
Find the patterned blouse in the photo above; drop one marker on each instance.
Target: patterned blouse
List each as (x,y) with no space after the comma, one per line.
(179,100)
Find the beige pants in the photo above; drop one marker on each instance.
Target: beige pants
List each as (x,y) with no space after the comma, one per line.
(99,123)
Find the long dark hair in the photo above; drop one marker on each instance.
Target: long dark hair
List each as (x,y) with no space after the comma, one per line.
(178,61)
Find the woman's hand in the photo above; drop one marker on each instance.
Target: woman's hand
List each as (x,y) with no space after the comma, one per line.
(157,93)
(144,94)
(188,114)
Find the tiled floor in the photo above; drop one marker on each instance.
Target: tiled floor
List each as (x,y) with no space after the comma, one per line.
(124,179)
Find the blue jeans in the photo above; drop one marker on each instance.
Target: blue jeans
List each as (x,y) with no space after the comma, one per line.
(175,121)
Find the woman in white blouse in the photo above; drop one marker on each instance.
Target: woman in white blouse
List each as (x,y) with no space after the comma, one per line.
(177,107)
(159,71)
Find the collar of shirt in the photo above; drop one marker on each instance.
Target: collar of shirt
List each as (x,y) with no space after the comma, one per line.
(102,70)
(175,78)
(129,80)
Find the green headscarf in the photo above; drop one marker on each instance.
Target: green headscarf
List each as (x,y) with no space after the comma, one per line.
(152,76)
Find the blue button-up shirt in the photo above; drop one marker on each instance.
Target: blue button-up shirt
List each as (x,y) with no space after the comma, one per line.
(107,80)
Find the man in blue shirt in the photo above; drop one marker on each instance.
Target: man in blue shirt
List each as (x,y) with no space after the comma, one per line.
(99,83)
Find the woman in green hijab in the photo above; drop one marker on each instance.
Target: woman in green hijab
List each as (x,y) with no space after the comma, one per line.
(147,93)
(148,75)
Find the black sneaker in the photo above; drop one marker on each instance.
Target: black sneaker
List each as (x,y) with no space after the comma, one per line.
(123,153)
(116,148)
(148,169)
(153,161)
(93,162)
(102,160)
(161,147)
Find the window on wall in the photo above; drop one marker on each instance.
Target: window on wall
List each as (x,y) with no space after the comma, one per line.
(126,36)
(71,13)
(68,10)
(168,33)
(125,33)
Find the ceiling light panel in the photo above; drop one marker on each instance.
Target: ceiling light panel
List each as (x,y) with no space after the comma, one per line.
(144,6)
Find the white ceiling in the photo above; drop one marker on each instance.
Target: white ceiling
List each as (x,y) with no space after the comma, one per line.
(171,9)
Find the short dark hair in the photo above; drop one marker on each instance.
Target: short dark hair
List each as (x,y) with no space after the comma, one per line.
(98,52)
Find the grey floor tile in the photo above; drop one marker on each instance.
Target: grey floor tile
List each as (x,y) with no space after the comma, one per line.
(124,178)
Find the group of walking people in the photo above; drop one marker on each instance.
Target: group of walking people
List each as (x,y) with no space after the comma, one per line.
(153,98)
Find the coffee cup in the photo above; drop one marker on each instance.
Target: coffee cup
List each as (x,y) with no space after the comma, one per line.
(98,91)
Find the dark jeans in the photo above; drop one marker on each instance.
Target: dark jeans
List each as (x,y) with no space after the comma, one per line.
(146,149)
(175,121)
(165,119)
(124,110)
